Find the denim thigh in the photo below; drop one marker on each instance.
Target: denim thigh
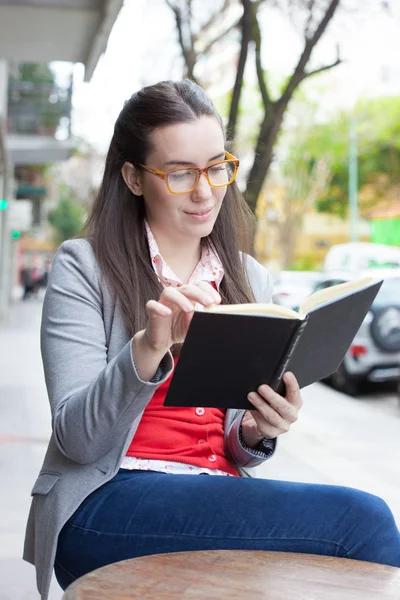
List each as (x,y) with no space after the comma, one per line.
(138,513)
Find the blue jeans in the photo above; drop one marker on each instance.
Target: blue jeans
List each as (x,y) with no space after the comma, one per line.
(139,513)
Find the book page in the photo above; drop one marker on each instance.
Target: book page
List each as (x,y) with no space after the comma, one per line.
(332,293)
(273,310)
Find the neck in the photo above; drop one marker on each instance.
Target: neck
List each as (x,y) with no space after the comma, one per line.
(181,255)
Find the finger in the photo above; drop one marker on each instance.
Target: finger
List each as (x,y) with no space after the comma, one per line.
(268,413)
(293,393)
(173,298)
(197,294)
(264,428)
(157,309)
(158,329)
(209,289)
(278,403)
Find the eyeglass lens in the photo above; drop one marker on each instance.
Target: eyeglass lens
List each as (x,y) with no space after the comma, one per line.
(184,180)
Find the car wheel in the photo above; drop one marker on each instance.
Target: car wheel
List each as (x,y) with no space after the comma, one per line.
(385,329)
(343,382)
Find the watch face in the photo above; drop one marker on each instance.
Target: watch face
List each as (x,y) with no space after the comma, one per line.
(266,445)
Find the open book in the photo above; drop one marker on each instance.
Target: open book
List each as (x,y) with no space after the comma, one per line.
(231,350)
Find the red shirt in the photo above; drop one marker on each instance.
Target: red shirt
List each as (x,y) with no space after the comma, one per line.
(194,436)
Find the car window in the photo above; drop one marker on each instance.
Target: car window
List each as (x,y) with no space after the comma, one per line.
(389,292)
(328,283)
(322,285)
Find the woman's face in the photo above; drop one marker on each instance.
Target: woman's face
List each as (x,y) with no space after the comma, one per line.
(196,144)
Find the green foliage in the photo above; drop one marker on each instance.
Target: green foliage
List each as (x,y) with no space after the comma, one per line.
(44,170)
(67,217)
(36,87)
(378,140)
(36,73)
(307,262)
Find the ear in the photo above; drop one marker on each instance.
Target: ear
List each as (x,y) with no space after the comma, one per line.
(132,178)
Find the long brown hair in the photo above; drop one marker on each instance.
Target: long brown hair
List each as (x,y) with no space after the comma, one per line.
(115,225)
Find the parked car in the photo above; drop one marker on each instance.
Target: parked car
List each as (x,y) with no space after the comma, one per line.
(356,256)
(374,354)
(292,287)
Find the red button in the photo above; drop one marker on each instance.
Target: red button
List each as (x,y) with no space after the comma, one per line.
(200,411)
(212,458)
(201,442)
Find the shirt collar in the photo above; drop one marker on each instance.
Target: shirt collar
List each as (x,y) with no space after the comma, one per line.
(209,268)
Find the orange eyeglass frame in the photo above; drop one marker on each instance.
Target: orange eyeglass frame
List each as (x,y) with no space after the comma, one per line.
(164,174)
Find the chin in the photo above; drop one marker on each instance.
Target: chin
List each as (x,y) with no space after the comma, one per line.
(207,229)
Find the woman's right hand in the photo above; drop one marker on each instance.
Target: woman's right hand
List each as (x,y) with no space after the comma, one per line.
(169,318)
(168,322)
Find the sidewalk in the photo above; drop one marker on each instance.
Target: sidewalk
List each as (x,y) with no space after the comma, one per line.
(337,440)
(24,432)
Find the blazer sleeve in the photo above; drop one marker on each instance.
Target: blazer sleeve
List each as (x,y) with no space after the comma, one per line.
(260,280)
(93,402)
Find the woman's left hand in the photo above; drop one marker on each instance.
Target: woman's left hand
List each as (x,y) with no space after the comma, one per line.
(273,414)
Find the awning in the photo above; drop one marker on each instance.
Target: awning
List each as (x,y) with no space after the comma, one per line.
(52,30)
(38,150)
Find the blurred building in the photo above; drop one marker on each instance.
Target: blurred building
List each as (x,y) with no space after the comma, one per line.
(318,233)
(35,112)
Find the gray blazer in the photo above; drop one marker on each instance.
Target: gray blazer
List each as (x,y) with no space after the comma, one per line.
(96,396)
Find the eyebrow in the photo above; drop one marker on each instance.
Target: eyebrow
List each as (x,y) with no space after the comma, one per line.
(185,163)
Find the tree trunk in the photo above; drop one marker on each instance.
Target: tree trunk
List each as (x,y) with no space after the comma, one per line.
(287,237)
(263,153)
(246,25)
(190,63)
(274,115)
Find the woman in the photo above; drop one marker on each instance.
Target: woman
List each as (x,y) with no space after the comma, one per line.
(121,474)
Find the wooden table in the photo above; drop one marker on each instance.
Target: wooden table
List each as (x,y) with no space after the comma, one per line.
(238,575)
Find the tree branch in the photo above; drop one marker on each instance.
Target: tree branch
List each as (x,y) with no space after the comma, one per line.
(338,61)
(298,74)
(178,20)
(260,74)
(246,26)
(307,29)
(214,17)
(188,54)
(192,35)
(220,36)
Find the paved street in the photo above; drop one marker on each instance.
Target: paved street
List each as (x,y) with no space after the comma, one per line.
(338,439)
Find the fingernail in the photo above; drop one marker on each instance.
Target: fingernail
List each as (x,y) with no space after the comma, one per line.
(251,396)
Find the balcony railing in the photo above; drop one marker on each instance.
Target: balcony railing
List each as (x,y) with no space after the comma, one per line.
(39,109)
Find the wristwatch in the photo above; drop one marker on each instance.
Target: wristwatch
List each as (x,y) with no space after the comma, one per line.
(264,449)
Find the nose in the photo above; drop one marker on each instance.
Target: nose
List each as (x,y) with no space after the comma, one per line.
(203,190)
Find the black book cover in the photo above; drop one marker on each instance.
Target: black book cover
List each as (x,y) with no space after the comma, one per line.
(225,356)
(328,334)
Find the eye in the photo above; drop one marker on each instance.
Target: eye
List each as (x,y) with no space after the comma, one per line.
(217,168)
(179,175)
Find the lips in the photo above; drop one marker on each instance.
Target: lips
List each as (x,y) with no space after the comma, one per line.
(200,212)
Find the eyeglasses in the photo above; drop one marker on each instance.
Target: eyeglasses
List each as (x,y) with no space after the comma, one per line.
(184,181)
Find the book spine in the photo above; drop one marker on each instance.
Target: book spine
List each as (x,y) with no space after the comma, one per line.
(277,379)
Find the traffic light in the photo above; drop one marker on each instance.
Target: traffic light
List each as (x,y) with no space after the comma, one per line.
(3,204)
(15,234)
